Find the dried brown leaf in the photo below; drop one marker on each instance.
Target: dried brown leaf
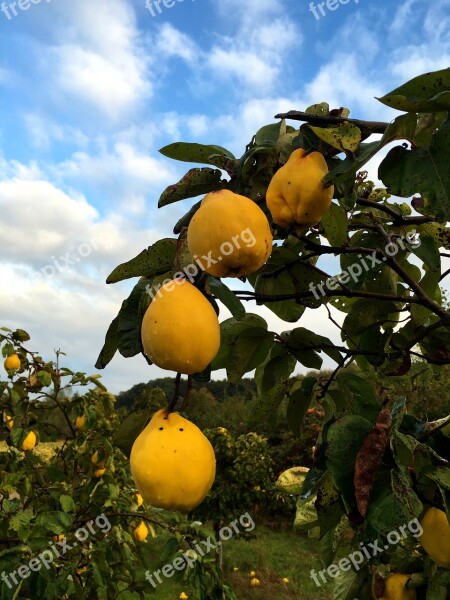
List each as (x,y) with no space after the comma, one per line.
(368,460)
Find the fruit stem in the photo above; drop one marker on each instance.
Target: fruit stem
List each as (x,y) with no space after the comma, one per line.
(176,394)
(188,393)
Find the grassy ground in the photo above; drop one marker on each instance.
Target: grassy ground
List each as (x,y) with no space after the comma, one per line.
(273,553)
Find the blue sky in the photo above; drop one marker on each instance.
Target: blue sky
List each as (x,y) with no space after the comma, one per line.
(91,90)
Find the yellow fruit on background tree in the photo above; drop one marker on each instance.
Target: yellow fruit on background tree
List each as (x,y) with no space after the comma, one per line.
(395,588)
(436,536)
(141,532)
(96,462)
(99,472)
(29,442)
(80,422)
(139,500)
(296,194)
(172,463)
(180,330)
(12,363)
(233,232)
(9,421)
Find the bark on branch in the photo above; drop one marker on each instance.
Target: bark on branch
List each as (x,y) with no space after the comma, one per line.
(319,120)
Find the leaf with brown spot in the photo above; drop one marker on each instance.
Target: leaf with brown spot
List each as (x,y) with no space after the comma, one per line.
(368,460)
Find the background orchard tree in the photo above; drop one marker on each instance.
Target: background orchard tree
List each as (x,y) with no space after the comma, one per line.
(50,492)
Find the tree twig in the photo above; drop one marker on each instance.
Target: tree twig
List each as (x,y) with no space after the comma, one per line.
(369,126)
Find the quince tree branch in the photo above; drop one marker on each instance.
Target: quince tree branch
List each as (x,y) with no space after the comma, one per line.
(367,127)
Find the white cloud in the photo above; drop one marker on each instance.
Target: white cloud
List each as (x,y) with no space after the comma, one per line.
(171,42)
(107,71)
(44,132)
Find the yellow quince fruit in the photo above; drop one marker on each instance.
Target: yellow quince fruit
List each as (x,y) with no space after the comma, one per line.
(12,362)
(80,422)
(99,472)
(296,194)
(141,532)
(436,536)
(255,581)
(229,235)
(139,500)
(100,464)
(394,588)
(180,330)
(172,463)
(29,442)
(8,420)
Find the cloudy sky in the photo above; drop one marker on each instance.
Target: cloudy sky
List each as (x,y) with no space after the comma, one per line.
(89,91)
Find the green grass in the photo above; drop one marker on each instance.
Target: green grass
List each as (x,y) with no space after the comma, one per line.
(273,555)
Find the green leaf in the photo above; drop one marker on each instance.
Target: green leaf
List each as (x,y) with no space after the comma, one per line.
(229,330)
(247,351)
(21,523)
(18,436)
(20,335)
(334,222)
(359,396)
(186,219)
(391,508)
(421,170)
(195,183)
(426,126)
(402,128)
(109,347)
(344,439)
(269,134)
(298,278)
(344,137)
(441,475)
(322,109)
(197,153)
(156,259)
(55,521)
(267,406)
(300,396)
(45,379)
(169,549)
(424,94)
(130,321)
(227,297)
(300,339)
(67,503)
(428,252)
(306,514)
(129,429)
(348,585)
(277,366)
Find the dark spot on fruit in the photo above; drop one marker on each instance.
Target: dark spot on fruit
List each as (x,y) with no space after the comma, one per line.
(181,429)
(161,428)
